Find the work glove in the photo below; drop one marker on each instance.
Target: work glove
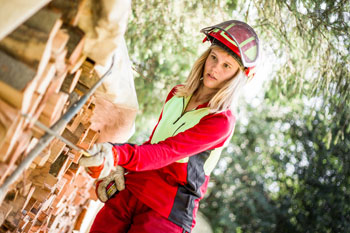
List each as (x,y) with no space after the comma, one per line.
(103,159)
(108,186)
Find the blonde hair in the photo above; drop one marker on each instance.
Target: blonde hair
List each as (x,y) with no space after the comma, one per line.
(226,97)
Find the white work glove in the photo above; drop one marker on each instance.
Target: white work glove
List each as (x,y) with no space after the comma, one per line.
(111,184)
(101,162)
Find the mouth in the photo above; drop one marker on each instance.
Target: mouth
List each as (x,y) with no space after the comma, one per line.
(211,77)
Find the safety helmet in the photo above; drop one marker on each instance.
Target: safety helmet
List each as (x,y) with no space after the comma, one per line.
(240,39)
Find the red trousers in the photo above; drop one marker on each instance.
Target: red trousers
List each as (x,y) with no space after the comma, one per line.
(125,213)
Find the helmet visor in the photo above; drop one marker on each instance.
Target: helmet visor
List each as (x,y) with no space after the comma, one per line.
(237,34)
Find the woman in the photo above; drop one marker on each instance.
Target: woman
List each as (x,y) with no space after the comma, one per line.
(169,174)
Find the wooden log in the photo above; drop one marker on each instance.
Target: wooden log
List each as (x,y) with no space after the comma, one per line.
(41,194)
(80,219)
(56,150)
(71,9)
(16,82)
(42,158)
(46,78)
(14,131)
(60,162)
(57,82)
(15,12)
(19,147)
(37,176)
(75,43)
(53,87)
(86,141)
(5,210)
(48,202)
(70,82)
(60,187)
(74,123)
(60,166)
(24,186)
(92,194)
(88,76)
(28,198)
(89,140)
(35,102)
(52,22)
(13,219)
(53,108)
(28,45)
(72,68)
(8,115)
(59,42)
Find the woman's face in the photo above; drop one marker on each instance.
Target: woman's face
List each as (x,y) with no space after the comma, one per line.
(219,67)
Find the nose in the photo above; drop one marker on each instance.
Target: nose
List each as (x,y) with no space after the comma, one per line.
(216,68)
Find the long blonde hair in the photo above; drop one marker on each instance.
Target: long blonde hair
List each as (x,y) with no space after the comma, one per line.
(226,97)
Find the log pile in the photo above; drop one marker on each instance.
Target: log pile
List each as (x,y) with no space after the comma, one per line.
(42,72)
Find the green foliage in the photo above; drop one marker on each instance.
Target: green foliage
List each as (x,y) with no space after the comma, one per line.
(287,167)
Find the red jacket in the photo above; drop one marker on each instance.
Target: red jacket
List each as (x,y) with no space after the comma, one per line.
(159,180)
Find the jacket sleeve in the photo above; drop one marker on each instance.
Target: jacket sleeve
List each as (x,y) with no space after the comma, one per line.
(211,132)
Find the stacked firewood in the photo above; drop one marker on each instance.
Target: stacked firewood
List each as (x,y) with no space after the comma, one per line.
(43,71)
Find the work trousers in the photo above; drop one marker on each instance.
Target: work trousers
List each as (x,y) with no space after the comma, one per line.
(125,213)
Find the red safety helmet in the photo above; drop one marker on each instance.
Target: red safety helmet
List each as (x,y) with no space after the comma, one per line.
(240,39)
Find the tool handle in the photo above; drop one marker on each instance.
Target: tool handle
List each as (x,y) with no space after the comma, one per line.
(85,153)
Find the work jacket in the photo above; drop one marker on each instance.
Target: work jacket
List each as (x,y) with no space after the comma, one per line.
(170,172)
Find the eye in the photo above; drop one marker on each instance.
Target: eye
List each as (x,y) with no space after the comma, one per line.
(227,66)
(213,57)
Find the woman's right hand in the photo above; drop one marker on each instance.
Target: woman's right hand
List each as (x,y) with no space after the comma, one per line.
(102,161)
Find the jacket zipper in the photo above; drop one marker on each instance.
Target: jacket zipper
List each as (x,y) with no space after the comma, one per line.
(182,112)
(178,128)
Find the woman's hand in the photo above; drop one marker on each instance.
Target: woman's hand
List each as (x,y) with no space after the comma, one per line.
(110,185)
(101,162)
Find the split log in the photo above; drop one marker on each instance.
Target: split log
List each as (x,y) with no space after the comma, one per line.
(41,194)
(57,148)
(53,108)
(70,82)
(59,42)
(5,210)
(31,42)
(13,123)
(15,12)
(71,9)
(80,219)
(13,219)
(16,82)
(88,76)
(75,43)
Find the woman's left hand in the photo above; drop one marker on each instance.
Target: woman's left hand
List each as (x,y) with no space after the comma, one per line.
(111,184)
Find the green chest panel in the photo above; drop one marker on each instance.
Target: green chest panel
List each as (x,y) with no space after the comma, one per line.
(175,121)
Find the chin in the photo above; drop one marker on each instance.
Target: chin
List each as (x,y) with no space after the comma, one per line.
(209,84)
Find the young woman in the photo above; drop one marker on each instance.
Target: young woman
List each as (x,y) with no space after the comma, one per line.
(169,174)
